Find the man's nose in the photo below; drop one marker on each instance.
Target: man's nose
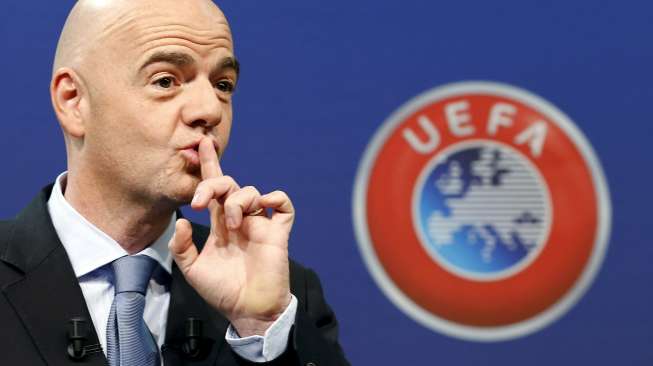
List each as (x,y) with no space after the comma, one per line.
(203,108)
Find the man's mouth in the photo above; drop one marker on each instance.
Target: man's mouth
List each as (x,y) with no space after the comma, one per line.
(191,154)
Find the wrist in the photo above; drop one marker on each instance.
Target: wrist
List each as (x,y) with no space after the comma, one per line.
(251,325)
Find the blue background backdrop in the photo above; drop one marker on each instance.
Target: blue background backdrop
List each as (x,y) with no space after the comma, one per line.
(320,77)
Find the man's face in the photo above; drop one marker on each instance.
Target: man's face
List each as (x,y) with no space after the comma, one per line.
(160,79)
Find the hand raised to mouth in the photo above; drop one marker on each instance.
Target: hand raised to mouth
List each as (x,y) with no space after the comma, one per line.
(242,271)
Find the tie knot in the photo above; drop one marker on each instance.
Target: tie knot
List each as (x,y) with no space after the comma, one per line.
(133,273)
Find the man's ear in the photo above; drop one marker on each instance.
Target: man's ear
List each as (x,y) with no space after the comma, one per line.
(66,92)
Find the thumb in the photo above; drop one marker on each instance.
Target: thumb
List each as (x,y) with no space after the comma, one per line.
(182,247)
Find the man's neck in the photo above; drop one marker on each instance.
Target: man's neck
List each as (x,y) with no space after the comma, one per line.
(132,224)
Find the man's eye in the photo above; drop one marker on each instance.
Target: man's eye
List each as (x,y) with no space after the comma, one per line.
(225,86)
(165,82)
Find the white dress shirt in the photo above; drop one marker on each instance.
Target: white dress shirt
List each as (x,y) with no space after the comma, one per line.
(91,251)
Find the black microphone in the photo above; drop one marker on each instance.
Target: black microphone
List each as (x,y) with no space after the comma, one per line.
(77,336)
(192,346)
(77,332)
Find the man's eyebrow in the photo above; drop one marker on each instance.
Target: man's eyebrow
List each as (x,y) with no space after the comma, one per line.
(181,59)
(228,63)
(178,59)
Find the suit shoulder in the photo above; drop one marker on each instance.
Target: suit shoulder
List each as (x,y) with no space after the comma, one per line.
(6,227)
(299,269)
(8,271)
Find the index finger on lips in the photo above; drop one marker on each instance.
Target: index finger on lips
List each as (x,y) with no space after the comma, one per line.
(209,162)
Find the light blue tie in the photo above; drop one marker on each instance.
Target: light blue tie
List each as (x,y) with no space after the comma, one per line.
(129,341)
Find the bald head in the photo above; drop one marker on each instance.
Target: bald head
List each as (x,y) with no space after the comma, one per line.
(92,23)
(134,81)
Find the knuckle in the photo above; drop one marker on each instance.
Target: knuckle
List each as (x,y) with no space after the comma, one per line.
(229,180)
(282,195)
(234,200)
(210,183)
(231,204)
(251,189)
(205,187)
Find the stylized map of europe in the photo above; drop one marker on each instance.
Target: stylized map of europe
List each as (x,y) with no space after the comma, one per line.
(493,209)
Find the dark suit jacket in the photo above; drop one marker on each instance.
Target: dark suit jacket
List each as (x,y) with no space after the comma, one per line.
(40,294)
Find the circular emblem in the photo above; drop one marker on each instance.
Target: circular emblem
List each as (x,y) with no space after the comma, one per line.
(481,211)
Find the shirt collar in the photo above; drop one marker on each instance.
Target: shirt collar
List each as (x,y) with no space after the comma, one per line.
(88,247)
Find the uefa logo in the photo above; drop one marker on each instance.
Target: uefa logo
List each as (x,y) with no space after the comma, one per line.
(481,211)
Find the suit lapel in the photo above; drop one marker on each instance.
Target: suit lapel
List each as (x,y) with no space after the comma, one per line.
(48,295)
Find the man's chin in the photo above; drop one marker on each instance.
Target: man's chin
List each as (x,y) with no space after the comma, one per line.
(184,189)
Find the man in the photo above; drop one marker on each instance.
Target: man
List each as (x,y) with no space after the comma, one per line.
(143,90)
